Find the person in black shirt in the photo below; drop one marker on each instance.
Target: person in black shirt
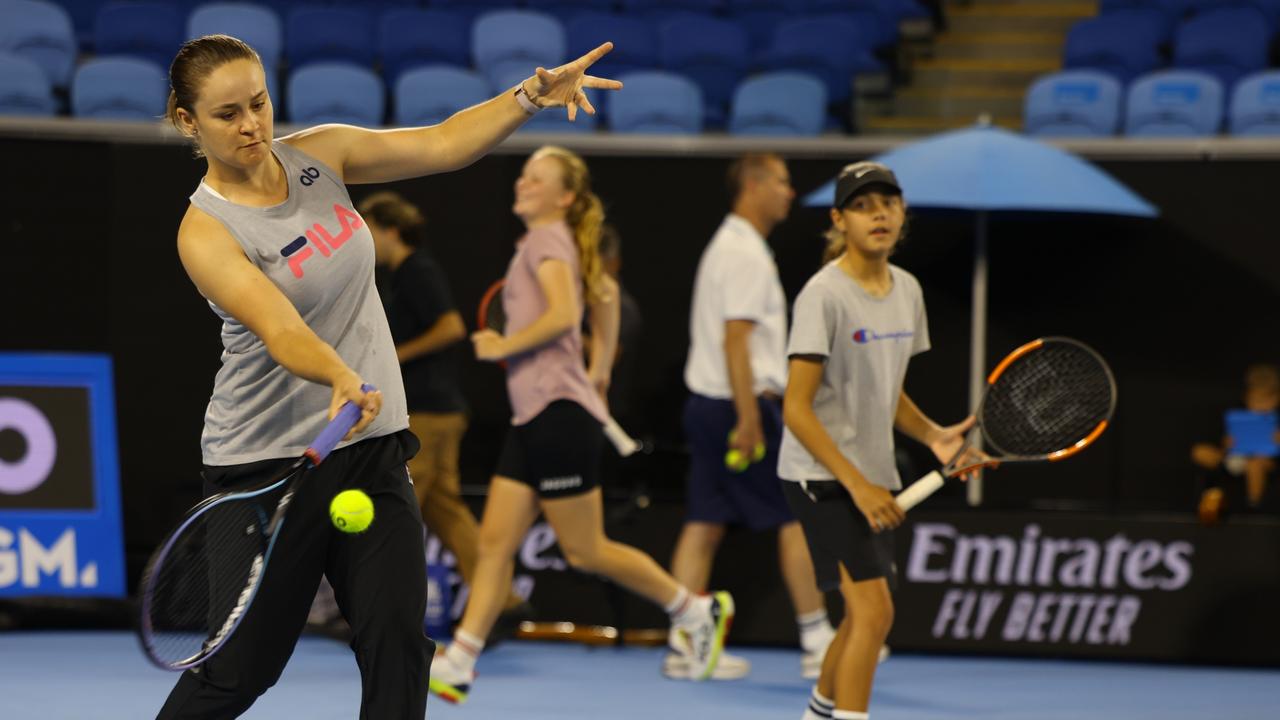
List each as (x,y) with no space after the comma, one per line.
(622,399)
(426,327)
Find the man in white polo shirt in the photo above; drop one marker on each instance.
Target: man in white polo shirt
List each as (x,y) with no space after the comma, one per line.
(736,373)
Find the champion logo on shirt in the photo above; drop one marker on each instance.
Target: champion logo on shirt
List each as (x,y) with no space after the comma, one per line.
(862,336)
(298,250)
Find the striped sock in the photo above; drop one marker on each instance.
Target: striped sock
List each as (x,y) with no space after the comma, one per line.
(679,607)
(849,715)
(464,650)
(815,630)
(820,708)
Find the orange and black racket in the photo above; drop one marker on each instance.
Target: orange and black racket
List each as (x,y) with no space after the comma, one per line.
(1046,401)
(491,316)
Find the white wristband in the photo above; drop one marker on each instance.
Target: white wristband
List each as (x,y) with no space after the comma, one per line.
(526,104)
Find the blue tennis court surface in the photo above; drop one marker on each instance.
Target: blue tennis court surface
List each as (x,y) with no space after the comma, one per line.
(102,675)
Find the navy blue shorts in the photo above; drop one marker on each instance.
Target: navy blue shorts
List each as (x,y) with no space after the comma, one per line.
(718,495)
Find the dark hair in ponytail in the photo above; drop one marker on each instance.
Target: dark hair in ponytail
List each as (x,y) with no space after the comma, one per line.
(195,61)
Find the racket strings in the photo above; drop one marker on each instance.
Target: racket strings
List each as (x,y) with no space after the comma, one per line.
(495,318)
(198,587)
(1047,400)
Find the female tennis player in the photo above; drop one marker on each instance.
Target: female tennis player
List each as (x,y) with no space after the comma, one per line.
(272,242)
(856,325)
(550,459)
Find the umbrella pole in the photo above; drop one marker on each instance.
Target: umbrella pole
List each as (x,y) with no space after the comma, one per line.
(978,339)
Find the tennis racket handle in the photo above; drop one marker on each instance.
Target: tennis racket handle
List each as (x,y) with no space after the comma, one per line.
(623,442)
(341,424)
(919,490)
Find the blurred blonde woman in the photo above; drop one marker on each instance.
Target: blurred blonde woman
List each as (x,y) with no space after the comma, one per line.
(551,457)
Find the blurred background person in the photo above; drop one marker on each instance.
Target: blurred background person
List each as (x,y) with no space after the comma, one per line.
(1231,477)
(736,373)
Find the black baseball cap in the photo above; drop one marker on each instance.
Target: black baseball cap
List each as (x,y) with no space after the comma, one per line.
(859,176)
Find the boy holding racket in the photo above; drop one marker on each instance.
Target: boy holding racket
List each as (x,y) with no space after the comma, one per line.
(856,325)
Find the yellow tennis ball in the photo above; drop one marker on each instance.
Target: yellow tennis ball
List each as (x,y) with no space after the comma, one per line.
(351,511)
(758,455)
(735,460)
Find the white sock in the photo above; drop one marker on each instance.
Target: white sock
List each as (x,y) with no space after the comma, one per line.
(815,630)
(849,715)
(681,608)
(820,708)
(464,650)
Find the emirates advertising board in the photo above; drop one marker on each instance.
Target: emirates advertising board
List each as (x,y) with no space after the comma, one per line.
(1089,585)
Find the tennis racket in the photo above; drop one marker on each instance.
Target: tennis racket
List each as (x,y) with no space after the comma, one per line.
(1046,401)
(199,583)
(491,316)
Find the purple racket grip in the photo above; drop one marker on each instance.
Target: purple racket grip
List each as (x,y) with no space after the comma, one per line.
(347,417)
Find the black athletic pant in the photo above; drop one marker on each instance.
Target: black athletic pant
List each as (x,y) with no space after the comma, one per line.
(379,578)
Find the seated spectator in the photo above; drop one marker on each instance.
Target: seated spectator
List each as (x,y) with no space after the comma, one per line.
(1233,481)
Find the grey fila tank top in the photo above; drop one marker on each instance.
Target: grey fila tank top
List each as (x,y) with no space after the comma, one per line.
(318,251)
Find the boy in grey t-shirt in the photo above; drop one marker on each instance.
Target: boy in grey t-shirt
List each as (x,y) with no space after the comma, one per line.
(856,325)
(866,342)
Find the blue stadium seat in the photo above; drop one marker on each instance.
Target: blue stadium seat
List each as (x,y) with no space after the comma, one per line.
(1174,103)
(781,103)
(41,32)
(471,8)
(427,95)
(84,13)
(635,43)
(257,25)
(1226,43)
(713,53)
(565,10)
(759,18)
(1123,46)
(656,102)
(832,49)
(1075,103)
(665,8)
(335,93)
(1255,105)
(504,41)
(329,35)
(412,37)
(24,88)
(148,30)
(1152,19)
(119,88)
(1269,8)
(878,19)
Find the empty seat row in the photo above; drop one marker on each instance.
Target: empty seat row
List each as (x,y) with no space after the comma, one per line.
(503,45)
(1169,103)
(781,103)
(1227,42)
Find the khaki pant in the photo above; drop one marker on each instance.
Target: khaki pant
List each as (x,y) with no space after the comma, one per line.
(437,484)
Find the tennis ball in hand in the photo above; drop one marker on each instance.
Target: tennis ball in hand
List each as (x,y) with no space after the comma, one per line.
(736,461)
(351,511)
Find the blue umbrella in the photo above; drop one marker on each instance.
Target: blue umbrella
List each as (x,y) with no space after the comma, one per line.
(988,169)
